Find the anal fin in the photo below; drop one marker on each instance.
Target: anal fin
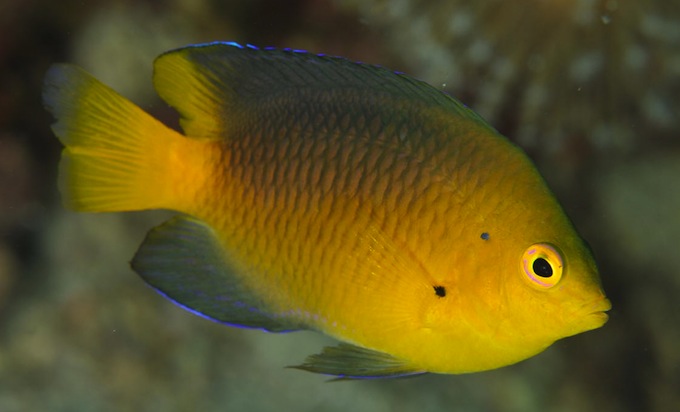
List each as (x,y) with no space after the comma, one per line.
(184,261)
(347,361)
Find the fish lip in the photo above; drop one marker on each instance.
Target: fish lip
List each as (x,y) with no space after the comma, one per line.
(605,304)
(602,316)
(597,309)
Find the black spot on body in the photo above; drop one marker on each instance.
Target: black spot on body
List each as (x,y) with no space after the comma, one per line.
(485,236)
(440,291)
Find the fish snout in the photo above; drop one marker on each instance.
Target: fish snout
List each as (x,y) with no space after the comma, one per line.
(595,310)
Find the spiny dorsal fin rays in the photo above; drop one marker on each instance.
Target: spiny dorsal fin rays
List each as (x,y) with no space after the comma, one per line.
(210,83)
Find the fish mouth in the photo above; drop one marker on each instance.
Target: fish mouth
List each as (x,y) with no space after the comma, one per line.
(596,311)
(589,315)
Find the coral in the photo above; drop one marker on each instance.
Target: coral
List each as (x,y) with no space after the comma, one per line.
(558,76)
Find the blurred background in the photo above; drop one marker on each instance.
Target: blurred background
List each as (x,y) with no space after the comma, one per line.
(589,88)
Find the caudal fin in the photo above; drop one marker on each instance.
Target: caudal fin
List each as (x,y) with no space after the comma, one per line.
(116,156)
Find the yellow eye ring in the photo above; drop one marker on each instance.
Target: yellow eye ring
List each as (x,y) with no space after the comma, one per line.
(542,265)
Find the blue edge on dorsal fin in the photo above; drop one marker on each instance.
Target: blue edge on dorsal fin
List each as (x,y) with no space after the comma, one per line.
(287,49)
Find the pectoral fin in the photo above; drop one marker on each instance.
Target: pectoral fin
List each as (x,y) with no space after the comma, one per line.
(348,361)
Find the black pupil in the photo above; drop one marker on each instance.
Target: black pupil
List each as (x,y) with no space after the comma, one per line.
(542,268)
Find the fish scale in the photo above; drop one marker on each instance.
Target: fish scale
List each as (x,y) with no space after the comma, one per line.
(317,193)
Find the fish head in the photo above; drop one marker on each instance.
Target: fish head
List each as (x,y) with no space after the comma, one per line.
(514,311)
(510,301)
(549,289)
(556,291)
(519,278)
(541,280)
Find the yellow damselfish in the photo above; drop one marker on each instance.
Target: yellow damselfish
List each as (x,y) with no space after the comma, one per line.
(317,193)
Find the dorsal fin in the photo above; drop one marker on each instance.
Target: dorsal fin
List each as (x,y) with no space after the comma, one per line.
(210,83)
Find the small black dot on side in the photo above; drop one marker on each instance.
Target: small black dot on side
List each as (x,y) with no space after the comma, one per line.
(485,236)
(440,291)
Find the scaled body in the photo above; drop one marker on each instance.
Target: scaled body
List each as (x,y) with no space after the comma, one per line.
(333,196)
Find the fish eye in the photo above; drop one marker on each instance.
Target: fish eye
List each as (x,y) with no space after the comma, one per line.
(542,265)
(542,268)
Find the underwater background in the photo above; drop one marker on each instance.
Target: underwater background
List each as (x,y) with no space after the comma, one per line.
(589,88)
